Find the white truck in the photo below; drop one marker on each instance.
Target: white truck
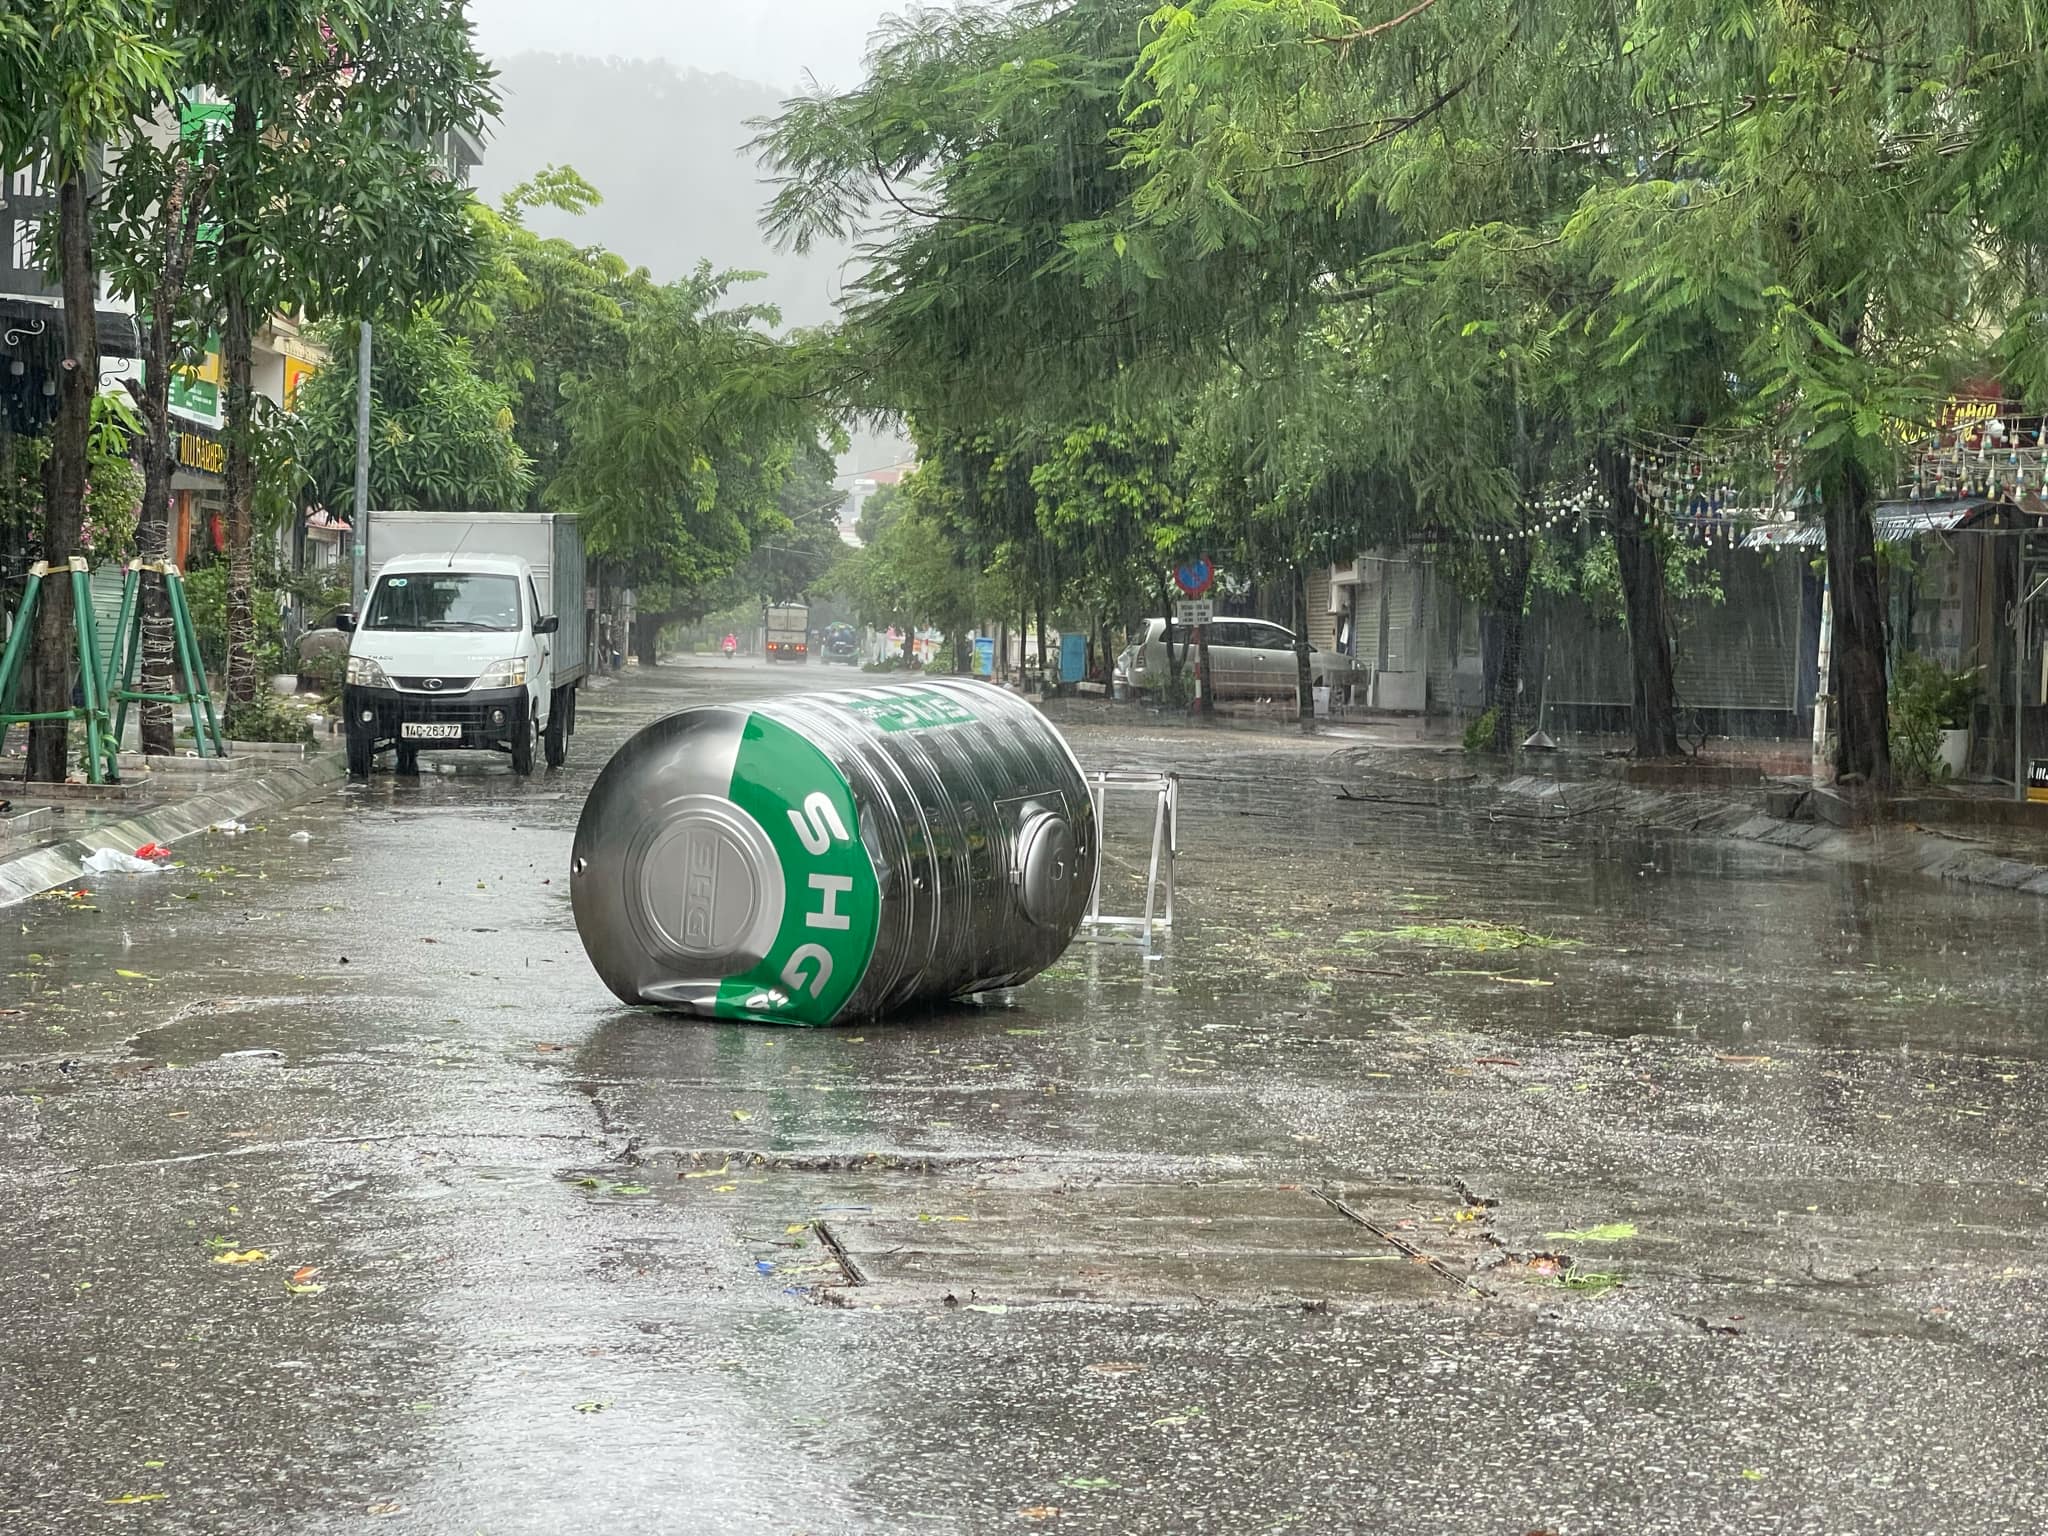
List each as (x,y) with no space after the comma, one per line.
(789,632)
(472,637)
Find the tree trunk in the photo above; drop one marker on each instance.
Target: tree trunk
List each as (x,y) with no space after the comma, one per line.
(178,219)
(1174,658)
(1863,728)
(647,628)
(1044,685)
(1654,693)
(52,666)
(1208,673)
(1502,639)
(1304,676)
(238,342)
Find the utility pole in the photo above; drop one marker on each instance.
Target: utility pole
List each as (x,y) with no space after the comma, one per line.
(360,575)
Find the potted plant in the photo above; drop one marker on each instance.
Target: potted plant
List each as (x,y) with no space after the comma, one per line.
(1955,703)
(1931,711)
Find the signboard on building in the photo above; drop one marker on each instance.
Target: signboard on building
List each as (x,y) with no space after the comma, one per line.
(195,391)
(2037,781)
(296,371)
(985,656)
(202,453)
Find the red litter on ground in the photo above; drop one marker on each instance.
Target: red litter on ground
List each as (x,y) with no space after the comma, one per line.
(152,851)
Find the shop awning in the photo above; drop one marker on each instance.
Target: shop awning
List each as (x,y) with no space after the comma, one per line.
(1896,521)
(22,319)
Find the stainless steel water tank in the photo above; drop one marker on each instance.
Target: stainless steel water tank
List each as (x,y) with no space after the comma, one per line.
(833,856)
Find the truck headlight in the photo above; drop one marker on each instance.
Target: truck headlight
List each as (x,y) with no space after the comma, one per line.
(365,673)
(509,673)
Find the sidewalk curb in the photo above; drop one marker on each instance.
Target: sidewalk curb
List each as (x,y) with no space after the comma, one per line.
(26,874)
(1901,847)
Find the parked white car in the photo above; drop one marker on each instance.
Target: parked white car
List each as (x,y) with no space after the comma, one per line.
(1251,659)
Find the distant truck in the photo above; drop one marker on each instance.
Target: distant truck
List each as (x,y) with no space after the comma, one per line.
(789,633)
(472,637)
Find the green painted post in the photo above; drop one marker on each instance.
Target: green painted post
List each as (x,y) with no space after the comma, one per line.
(195,674)
(127,644)
(17,643)
(88,669)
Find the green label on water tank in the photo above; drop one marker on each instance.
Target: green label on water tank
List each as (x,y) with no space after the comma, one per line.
(909,712)
(831,900)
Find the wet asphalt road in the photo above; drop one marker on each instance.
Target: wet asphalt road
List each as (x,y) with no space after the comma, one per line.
(1442,1173)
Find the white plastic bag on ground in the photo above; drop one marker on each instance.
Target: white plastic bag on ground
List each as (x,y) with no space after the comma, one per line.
(112,861)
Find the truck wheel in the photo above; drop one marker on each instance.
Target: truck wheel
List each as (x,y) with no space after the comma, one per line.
(522,749)
(360,748)
(555,739)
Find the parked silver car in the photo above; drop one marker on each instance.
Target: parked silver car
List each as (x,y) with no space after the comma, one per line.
(1251,659)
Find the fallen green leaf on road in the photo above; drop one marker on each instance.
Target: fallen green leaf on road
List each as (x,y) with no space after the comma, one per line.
(244,1256)
(742,1116)
(138,1498)
(1589,1282)
(1472,936)
(1610,1232)
(592,1407)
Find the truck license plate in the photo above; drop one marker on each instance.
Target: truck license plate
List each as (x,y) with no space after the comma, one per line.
(419,730)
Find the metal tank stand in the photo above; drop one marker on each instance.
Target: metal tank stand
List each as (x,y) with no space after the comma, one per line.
(1165,788)
(125,662)
(101,751)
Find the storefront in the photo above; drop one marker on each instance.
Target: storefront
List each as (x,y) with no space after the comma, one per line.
(198,493)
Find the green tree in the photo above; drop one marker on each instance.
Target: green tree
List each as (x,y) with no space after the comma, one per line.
(913,573)
(74,75)
(795,559)
(679,449)
(1793,180)
(544,312)
(330,198)
(154,213)
(1834,145)
(441,435)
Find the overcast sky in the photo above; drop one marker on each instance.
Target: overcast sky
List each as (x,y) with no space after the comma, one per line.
(773,41)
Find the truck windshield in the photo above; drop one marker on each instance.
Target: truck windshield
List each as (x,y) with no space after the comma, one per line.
(446,600)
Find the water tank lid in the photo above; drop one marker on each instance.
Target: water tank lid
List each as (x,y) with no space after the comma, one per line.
(711,885)
(1046,868)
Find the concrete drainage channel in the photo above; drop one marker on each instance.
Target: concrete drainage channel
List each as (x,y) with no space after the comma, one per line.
(882,1237)
(230,792)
